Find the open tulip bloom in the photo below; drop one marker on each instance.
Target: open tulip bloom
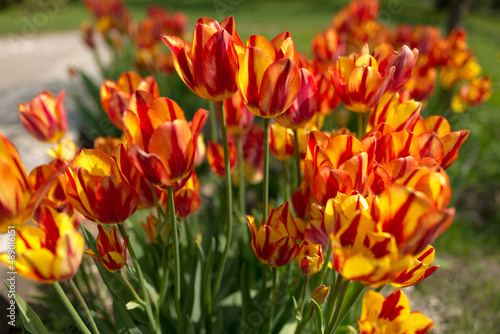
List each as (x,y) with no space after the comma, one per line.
(361,211)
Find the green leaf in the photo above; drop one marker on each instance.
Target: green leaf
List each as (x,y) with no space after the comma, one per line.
(123,321)
(245,293)
(219,324)
(190,328)
(318,316)
(296,311)
(30,320)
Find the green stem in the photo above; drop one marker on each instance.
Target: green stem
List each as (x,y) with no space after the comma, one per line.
(287,182)
(142,281)
(333,298)
(266,170)
(83,304)
(273,301)
(305,321)
(325,266)
(297,156)
(360,125)
(229,201)
(355,295)
(241,179)
(304,291)
(72,312)
(177,277)
(334,320)
(213,121)
(166,272)
(132,290)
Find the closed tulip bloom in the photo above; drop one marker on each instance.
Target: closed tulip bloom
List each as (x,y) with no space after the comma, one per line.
(403,63)
(50,251)
(238,119)
(320,294)
(253,154)
(215,158)
(112,253)
(115,96)
(381,315)
(45,117)
(268,78)
(208,67)
(472,94)
(305,105)
(310,258)
(281,142)
(16,190)
(98,190)
(274,243)
(187,199)
(162,144)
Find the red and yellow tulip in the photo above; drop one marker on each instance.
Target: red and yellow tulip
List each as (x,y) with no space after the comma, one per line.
(268,77)
(16,191)
(98,190)
(45,117)
(238,119)
(281,142)
(115,96)
(112,253)
(49,252)
(208,67)
(274,243)
(309,258)
(305,105)
(215,158)
(162,144)
(473,93)
(187,199)
(381,315)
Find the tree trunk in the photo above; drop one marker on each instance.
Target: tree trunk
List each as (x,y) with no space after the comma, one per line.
(457,9)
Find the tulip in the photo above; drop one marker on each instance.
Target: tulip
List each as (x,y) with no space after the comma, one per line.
(309,258)
(49,252)
(115,96)
(106,144)
(390,110)
(112,253)
(403,63)
(359,81)
(328,45)
(187,199)
(274,243)
(281,142)
(238,119)
(98,190)
(268,78)
(162,144)
(305,105)
(320,294)
(253,151)
(16,191)
(209,66)
(44,117)
(390,315)
(66,149)
(473,93)
(215,158)
(419,271)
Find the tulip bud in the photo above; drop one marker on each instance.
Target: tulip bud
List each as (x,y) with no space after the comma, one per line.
(320,294)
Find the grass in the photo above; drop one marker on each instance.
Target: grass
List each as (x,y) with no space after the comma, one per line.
(463,294)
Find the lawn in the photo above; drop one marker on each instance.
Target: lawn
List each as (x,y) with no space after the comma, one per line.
(464,294)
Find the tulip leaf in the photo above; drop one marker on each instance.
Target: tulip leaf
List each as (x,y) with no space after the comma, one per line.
(133,304)
(218,326)
(123,322)
(30,320)
(296,311)
(319,317)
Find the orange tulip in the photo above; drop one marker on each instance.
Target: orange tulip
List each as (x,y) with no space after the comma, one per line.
(49,252)
(305,105)
(162,144)
(327,46)
(403,63)
(274,243)
(44,117)
(209,66)
(98,190)
(106,144)
(112,252)
(115,96)
(268,78)
(215,158)
(390,315)
(391,110)
(253,154)
(418,272)
(281,142)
